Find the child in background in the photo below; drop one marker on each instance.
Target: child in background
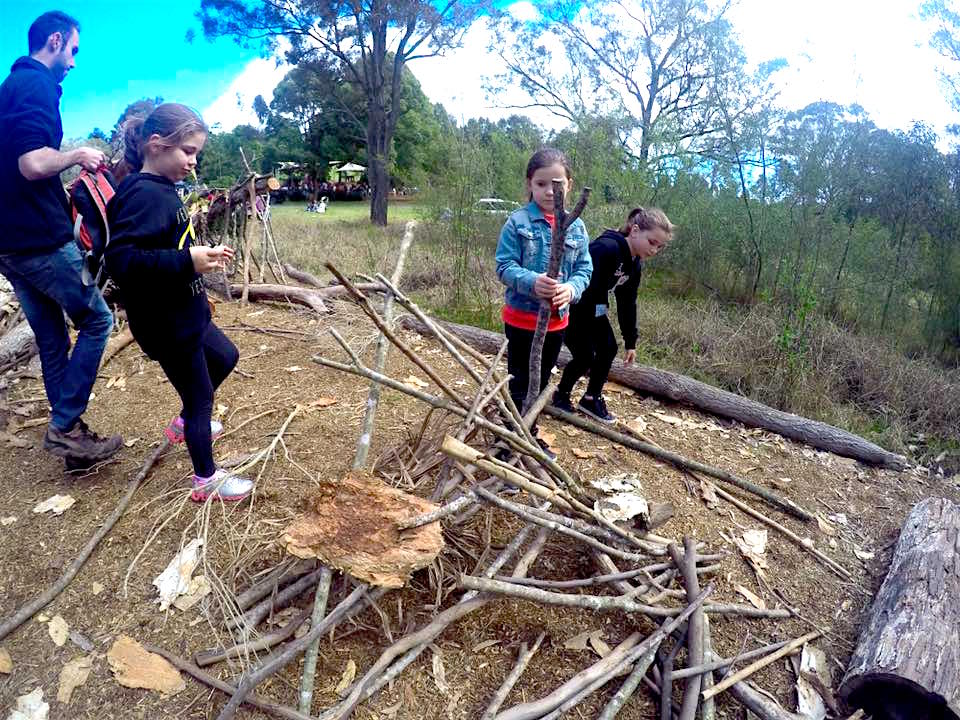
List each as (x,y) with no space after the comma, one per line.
(618,257)
(523,253)
(157,269)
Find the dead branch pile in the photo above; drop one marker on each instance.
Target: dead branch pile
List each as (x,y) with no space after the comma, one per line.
(476,451)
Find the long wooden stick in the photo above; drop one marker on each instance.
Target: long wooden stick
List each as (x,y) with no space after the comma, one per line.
(414,643)
(687,564)
(522,661)
(708,708)
(348,607)
(380,355)
(313,649)
(602,602)
(783,504)
(562,222)
(254,700)
(599,674)
(264,642)
(367,307)
(796,539)
(750,669)
(34,606)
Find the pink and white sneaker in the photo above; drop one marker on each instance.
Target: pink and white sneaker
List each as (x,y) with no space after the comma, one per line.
(222,484)
(174,431)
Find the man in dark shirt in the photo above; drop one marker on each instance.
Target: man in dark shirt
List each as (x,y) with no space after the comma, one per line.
(38,254)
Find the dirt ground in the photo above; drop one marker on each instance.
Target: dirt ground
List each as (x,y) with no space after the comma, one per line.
(275,376)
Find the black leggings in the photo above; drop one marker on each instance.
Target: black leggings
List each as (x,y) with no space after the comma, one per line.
(593,346)
(518,359)
(195,373)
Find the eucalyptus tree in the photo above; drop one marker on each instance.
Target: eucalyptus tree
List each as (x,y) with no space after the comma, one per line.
(371,40)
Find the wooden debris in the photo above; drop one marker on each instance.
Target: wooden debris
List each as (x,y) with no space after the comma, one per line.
(352,526)
(906,658)
(135,667)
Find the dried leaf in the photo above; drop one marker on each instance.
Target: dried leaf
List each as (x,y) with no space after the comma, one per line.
(591,639)
(324,402)
(569,431)
(59,631)
(293,368)
(863,554)
(549,438)
(755,541)
(439,673)
(175,579)
(751,597)
(134,667)
(346,680)
(598,645)
(73,675)
(96,588)
(31,707)
(196,591)
(825,527)
(669,419)
(414,382)
(583,454)
(6,662)
(709,494)
(484,645)
(9,520)
(57,504)
(638,425)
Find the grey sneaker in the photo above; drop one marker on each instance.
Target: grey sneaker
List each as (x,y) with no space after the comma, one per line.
(80,443)
(222,484)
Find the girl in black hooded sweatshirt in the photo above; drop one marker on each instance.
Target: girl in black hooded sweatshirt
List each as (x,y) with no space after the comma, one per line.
(152,259)
(617,257)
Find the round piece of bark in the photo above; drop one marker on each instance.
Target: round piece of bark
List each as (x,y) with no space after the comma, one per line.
(907,661)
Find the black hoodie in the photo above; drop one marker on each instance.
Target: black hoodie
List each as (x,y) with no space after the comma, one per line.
(36,215)
(616,270)
(149,259)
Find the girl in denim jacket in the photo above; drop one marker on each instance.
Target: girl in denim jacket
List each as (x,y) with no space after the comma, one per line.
(522,256)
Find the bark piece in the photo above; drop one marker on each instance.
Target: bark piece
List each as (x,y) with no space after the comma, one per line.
(907,660)
(352,526)
(73,675)
(134,667)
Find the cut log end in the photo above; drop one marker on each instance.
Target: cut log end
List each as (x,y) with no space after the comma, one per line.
(883,696)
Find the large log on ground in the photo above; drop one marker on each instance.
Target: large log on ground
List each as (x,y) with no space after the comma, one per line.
(16,345)
(682,389)
(907,661)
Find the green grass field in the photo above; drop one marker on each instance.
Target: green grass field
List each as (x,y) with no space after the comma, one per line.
(348,211)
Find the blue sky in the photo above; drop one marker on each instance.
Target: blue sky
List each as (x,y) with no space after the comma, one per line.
(128,50)
(872,53)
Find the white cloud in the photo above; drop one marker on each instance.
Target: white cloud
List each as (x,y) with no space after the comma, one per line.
(852,51)
(235,106)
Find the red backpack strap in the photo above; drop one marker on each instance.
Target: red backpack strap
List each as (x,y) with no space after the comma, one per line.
(100,192)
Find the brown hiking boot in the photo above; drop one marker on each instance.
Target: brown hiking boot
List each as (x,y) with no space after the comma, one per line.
(80,443)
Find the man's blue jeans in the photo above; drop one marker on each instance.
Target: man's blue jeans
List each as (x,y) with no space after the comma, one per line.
(47,285)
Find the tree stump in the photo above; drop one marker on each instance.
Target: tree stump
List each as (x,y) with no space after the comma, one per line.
(907,661)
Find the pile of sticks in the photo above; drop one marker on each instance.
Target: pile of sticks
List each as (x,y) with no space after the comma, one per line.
(489,453)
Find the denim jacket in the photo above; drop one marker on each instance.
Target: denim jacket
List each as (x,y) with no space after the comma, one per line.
(523,252)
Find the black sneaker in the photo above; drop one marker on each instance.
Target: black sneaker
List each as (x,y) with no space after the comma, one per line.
(80,443)
(546,448)
(597,409)
(561,401)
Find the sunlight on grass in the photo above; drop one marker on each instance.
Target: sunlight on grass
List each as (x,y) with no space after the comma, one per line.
(347,211)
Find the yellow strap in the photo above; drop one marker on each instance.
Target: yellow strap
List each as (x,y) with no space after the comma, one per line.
(189,231)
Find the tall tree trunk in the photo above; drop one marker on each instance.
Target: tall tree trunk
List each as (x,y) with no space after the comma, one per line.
(895,274)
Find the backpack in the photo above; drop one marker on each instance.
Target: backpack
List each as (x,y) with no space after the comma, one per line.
(89,195)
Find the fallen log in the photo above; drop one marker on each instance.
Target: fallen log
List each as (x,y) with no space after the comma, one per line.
(312,299)
(17,345)
(907,661)
(682,389)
